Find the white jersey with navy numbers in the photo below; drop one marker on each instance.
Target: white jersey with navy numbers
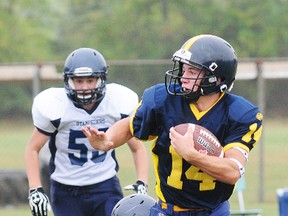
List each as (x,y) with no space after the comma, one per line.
(73,160)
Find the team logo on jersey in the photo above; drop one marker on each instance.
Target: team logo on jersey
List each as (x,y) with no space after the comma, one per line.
(90,122)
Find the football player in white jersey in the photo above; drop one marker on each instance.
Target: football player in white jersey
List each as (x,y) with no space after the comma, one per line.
(83,179)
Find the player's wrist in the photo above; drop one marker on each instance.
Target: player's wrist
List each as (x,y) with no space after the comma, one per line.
(139,186)
(39,188)
(140,182)
(35,187)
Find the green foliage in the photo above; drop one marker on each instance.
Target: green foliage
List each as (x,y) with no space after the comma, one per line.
(50,29)
(16,101)
(26,31)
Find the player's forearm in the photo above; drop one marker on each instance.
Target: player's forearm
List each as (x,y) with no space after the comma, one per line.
(141,163)
(32,169)
(222,169)
(142,171)
(119,133)
(32,162)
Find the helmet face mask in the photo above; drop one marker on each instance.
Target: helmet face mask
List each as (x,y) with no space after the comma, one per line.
(88,63)
(203,80)
(213,57)
(85,96)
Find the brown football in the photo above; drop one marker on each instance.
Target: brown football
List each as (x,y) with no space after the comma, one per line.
(204,141)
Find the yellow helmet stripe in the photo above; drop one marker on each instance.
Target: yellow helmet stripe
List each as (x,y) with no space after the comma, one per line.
(191,41)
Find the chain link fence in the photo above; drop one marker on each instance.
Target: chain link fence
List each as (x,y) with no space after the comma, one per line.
(268,92)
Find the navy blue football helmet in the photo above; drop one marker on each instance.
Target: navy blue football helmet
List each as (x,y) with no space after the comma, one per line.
(210,54)
(85,62)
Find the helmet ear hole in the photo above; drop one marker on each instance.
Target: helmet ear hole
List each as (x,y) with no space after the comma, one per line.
(223,88)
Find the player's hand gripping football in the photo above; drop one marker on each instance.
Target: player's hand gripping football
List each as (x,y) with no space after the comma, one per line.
(98,139)
(39,202)
(187,137)
(140,187)
(183,144)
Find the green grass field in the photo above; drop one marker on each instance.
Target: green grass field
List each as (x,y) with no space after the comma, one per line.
(14,136)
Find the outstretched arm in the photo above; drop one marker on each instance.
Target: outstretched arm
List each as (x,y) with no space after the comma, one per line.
(114,137)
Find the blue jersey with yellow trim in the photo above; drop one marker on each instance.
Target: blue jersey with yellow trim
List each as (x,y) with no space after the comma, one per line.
(234,120)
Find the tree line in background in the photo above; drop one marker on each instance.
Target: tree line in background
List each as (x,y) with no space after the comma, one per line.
(48,30)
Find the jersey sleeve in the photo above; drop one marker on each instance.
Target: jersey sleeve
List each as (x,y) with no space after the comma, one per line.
(144,122)
(246,130)
(124,99)
(46,109)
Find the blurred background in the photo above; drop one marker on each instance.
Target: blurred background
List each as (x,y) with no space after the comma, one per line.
(138,39)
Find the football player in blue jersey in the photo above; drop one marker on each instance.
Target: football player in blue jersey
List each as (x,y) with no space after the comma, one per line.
(83,179)
(196,90)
